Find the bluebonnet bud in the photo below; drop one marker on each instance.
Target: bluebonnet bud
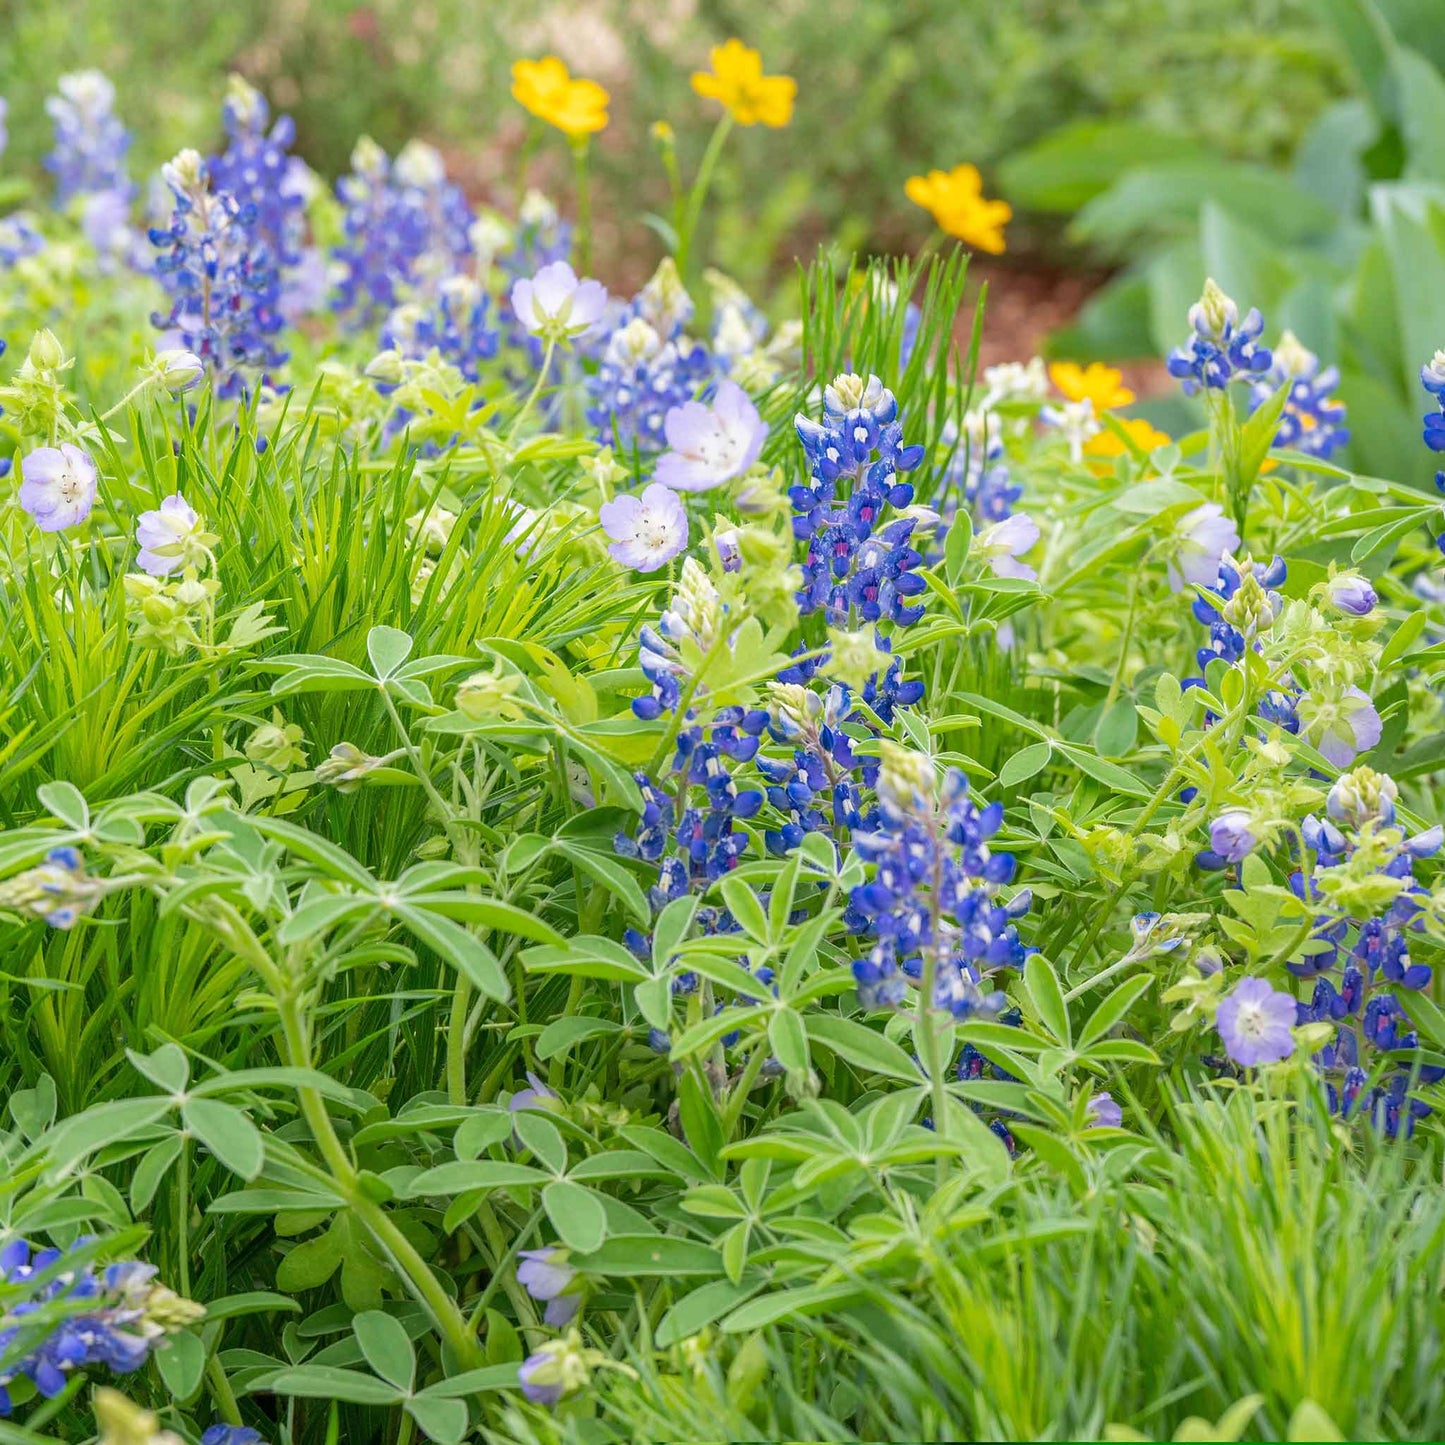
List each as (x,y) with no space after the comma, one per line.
(1222,346)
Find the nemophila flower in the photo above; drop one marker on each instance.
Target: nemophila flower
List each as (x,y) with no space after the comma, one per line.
(90,140)
(1340,723)
(1255,1020)
(57,486)
(1000,546)
(958,206)
(1233,836)
(546,1275)
(1104,1113)
(578,108)
(1222,347)
(1102,385)
(221,275)
(1203,538)
(711,444)
(559,1367)
(172,537)
(1312,421)
(57,890)
(115,1315)
(1075,422)
(647,531)
(556,306)
(737,81)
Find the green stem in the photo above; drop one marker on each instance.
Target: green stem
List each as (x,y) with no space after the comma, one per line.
(698,194)
(183,1217)
(221,1391)
(457,1043)
(536,390)
(580,148)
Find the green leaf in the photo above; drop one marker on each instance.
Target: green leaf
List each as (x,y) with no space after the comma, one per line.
(957,544)
(576,1214)
(865,1048)
(650,1254)
(1048,998)
(468,955)
(227,1133)
(1024,764)
(743,904)
(1113,1007)
(493,912)
(700,1123)
(325,1382)
(167,1068)
(313,673)
(789,1040)
(388,1351)
(1118,729)
(703,1306)
(110,1123)
(473,1382)
(388,648)
(439,1419)
(1312,1422)
(154,1165)
(613,876)
(465,1175)
(562,1033)
(182,1361)
(67,803)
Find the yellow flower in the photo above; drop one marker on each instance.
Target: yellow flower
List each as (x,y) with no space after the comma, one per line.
(576,107)
(956,201)
(1144,436)
(1100,384)
(737,80)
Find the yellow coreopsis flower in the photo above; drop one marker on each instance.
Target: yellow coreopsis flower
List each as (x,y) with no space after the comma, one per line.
(1139,431)
(1100,384)
(544,87)
(737,80)
(955,199)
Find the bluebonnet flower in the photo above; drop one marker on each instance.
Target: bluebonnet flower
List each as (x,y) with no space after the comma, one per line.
(1313,421)
(18,239)
(1247,604)
(231,1435)
(58,890)
(457,324)
(934,890)
(540,237)
(90,140)
(406,228)
(258,170)
(857,567)
(221,276)
(76,1316)
(1222,346)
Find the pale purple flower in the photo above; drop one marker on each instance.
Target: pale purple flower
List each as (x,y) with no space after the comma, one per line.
(1255,1022)
(539,1379)
(1232,836)
(1340,727)
(1002,544)
(1202,538)
(168,537)
(647,532)
(533,1097)
(710,445)
(554,304)
(1351,593)
(57,486)
(1104,1113)
(545,1275)
(105,219)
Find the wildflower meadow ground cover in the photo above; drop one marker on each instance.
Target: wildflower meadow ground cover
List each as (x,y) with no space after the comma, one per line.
(689,866)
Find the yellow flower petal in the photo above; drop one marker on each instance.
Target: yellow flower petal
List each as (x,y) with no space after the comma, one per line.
(736,80)
(545,88)
(1100,384)
(956,202)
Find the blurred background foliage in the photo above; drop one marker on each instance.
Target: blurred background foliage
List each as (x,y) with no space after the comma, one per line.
(1291,148)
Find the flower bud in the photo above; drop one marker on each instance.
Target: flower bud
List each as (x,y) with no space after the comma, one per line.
(486,696)
(1361,795)
(177,369)
(346,767)
(46,352)
(1351,593)
(276,744)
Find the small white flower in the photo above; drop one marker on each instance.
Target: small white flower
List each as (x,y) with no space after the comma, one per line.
(1202,538)
(713,444)
(170,538)
(1076,422)
(555,305)
(647,532)
(1001,545)
(420,166)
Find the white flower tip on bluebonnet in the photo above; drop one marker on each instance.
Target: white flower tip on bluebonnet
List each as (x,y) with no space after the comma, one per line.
(1214,313)
(57,486)
(633,344)
(557,306)
(1202,539)
(245,103)
(171,538)
(646,531)
(90,93)
(1361,795)
(1351,593)
(368,159)
(905,780)
(177,369)
(664,299)
(490,234)
(1432,374)
(185,172)
(537,210)
(711,444)
(1001,545)
(420,166)
(851,392)
(1293,358)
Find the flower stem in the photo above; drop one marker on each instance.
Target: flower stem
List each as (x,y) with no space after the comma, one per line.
(580,149)
(698,194)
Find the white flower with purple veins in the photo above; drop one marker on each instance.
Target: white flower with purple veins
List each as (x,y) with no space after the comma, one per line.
(555,305)
(1340,725)
(1351,593)
(1232,836)
(710,445)
(1002,544)
(1255,1022)
(1201,538)
(57,486)
(170,538)
(1076,423)
(1103,1113)
(647,532)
